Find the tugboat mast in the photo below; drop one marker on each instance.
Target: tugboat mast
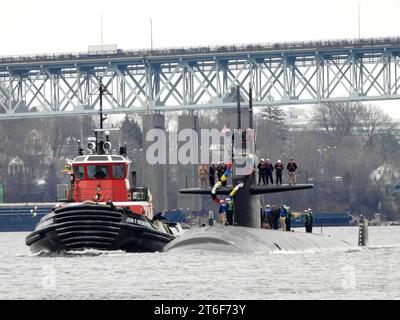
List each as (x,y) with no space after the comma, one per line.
(102,90)
(99,140)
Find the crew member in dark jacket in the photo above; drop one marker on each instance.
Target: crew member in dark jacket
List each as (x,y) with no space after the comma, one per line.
(269,169)
(292,167)
(229,211)
(288,219)
(220,171)
(211,175)
(261,172)
(270,216)
(309,220)
(279,167)
(276,215)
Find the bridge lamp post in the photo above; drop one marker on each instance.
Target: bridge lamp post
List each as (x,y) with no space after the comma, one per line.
(359,21)
(151,33)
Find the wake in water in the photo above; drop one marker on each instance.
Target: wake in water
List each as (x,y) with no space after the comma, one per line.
(83,253)
(315,251)
(384,246)
(89,253)
(200,252)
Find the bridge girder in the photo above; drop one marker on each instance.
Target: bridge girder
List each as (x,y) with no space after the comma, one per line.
(362,71)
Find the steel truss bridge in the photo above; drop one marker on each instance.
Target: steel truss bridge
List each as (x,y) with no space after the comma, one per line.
(200,78)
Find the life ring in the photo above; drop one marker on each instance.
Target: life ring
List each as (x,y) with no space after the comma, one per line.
(98,197)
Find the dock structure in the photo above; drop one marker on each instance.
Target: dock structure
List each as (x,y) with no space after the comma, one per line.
(22,216)
(184,79)
(363,232)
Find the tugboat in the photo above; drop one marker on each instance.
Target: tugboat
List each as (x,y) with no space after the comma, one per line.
(99,209)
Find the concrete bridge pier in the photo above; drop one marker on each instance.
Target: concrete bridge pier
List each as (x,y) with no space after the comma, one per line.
(188,173)
(154,175)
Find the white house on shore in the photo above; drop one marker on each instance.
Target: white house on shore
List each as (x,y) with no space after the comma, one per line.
(386,174)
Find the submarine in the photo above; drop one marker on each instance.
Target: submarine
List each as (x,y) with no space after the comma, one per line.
(246,235)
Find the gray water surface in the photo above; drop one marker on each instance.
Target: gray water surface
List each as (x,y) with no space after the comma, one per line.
(372,273)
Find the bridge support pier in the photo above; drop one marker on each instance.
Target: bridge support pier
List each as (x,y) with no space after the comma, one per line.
(188,174)
(154,176)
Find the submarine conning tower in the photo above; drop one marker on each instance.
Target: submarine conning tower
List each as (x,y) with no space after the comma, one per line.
(247,198)
(246,205)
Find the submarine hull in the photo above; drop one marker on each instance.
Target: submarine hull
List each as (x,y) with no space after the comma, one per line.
(81,227)
(251,240)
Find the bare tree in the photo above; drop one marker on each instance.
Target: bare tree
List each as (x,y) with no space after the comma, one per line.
(337,119)
(131,132)
(374,122)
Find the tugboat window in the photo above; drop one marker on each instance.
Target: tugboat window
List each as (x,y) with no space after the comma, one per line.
(98,158)
(79,172)
(98,172)
(118,171)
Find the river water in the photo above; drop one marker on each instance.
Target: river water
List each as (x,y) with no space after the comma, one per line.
(367,273)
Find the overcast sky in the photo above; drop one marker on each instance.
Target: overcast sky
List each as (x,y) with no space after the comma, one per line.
(51,26)
(28,26)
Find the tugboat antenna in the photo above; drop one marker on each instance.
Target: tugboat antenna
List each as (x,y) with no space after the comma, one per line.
(102,90)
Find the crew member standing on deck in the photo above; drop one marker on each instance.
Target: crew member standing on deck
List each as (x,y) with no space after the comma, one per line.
(203,176)
(262,216)
(288,219)
(269,169)
(309,220)
(222,212)
(292,167)
(283,216)
(229,211)
(220,170)
(261,172)
(279,167)
(211,175)
(276,214)
(270,216)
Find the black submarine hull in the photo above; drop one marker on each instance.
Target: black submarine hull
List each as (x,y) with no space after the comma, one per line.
(252,240)
(93,226)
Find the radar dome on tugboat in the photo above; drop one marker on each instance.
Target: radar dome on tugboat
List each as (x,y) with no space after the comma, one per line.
(107,146)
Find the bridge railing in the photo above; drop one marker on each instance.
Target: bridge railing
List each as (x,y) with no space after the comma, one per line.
(320,44)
